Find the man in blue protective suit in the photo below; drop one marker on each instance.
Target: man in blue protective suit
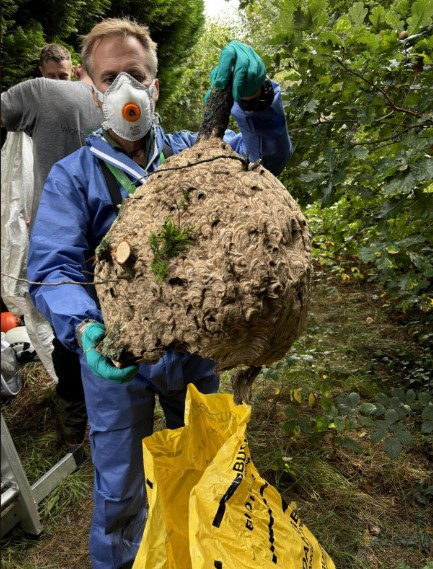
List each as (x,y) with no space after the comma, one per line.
(75,213)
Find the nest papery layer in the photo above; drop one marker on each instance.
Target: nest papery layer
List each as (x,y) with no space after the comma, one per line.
(239,293)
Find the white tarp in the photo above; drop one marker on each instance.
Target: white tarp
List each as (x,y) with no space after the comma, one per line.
(16,207)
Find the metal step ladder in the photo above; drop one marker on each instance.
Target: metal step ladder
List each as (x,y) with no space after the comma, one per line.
(19,500)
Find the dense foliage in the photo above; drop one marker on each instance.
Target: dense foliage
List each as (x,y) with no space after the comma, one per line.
(27,25)
(184,107)
(358,94)
(357,89)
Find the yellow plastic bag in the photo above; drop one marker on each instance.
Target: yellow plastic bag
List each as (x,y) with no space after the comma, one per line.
(208,505)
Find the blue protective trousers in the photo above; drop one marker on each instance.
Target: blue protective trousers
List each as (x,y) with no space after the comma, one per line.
(120,416)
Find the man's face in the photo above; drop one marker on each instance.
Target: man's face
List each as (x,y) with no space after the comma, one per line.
(114,55)
(61,70)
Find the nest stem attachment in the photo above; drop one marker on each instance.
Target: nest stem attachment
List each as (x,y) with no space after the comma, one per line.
(217,114)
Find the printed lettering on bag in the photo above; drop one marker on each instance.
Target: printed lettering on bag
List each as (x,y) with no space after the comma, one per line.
(222,416)
(307,559)
(241,457)
(249,506)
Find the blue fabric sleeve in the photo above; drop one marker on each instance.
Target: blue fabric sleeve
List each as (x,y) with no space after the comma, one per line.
(60,247)
(263,135)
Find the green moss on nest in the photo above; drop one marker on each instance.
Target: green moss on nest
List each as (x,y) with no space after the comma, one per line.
(167,244)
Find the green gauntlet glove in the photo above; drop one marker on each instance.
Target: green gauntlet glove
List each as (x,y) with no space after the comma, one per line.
(249,71)
(99,364)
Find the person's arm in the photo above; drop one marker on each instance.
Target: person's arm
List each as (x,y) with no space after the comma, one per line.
(264,134)
(20,105)
(258,110)
(72,219)
(59,248)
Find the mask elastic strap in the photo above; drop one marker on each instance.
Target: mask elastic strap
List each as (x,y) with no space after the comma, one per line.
(99,95)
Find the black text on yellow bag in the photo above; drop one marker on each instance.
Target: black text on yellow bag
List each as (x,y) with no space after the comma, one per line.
(208,505)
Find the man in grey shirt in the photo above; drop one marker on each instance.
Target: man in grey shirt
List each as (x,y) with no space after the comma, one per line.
(58,115)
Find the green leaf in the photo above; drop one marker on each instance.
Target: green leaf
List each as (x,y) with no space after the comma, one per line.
(391,416)
(399,393)
(322,423)
(311,105)
(404,437)
(392,447)
(427,413)
(427,427)
(380,410)
(357,13)
(422,14)
(382,399)
(366,421)
(394,20)
(311,176)
(291,413)
(410,396)
(343,24)
(331,37)
(349,443)
(354,398)
(359,152)
(425,397)
(290,426)
(304,425)
(340,424)
(371,40)
(367,408)
(378,435)
(329,195)
(367,254)
(378,16)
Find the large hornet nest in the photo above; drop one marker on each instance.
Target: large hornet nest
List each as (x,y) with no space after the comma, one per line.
(210,256)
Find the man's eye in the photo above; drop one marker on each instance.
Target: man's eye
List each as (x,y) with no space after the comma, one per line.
(139,78)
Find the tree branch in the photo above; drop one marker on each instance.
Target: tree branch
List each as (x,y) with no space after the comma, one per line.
(319,123)
(393,137)
(380,89)
(62,282)
(190,164)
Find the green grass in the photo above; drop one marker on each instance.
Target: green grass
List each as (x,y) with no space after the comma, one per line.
(367,511)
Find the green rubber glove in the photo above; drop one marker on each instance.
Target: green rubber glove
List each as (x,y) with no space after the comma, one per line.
(99,364)
(249,71)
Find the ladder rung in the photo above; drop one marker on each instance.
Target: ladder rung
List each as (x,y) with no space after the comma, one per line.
(8,496)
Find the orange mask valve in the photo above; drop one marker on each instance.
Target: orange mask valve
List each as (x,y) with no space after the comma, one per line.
(131,112)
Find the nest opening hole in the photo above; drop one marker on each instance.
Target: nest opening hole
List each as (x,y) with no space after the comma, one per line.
(176,281)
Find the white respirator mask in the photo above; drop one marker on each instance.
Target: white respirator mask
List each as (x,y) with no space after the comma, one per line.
(128,107)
